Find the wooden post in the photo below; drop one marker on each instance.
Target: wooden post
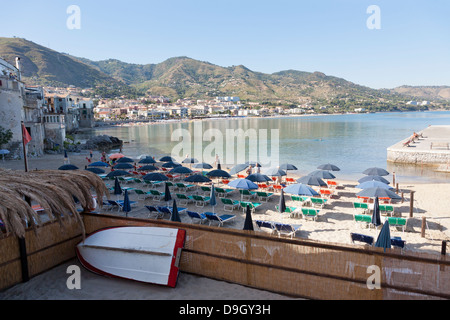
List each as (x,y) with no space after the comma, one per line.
(424,226)
(396,188)
(393,178)
(411,204)
(444,247)
(403,197)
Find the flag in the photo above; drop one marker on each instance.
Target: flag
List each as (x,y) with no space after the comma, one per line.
(25,135)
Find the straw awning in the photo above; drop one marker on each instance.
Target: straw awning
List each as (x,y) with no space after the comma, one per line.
(54,190)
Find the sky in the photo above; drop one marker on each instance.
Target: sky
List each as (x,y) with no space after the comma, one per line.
(402,43)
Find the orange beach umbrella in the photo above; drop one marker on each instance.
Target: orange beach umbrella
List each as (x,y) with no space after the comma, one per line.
(116,156)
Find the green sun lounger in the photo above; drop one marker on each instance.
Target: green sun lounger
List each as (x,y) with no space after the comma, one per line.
(142,195)
(247,194)
(310,213)
(222,192)
(398,222)
(184,199)
(264,196)
(201,201)
(252,205)
(229,204)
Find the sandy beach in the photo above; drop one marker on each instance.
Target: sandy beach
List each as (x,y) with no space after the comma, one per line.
(334,224)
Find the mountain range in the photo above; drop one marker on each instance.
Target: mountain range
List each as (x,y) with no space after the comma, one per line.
(183,77)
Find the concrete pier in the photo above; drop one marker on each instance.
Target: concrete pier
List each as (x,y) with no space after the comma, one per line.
(431,147)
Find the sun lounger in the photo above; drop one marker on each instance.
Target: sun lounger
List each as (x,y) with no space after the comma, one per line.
(142,195)
(157,195)
(264,196)
(185,187)
(397,222)
(222,192)
(153,209)
(184,199)
(398,242)
(252,205)
(290,180)
(310,213)
(286,229)
(247,194)
(291,210)
(219,219)
(332,184)
(201,201)
(137,180)
(302,199)
(229,204)
(361,238)
(318,202)
(359,206)
(363,219)
(266,224)
(201,217)
(265,186)
(206,190)
(387,209)
(173,177)
(326,193)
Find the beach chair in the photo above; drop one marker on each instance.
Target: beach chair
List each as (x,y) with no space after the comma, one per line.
(291,210)
(363,219)
(137,180)
(153,209)
(357,237)
(387,209)
(164,210)
(212,217)
(114,204)
(252,205)
(398,242)
(185,187)
(359,206)
(290,180)
(277,187)
(247,194)
(332,184)
(225,181)
(265,186)
(142,195)
(222,192)
(184,199)
(229,204)
(201,201)
(286,229)
(264,196)
(318,202)
(206,190)
(326,193)
(266,225)
(201,217)
(157,195)
(310,213)
(398,222)
(173,177)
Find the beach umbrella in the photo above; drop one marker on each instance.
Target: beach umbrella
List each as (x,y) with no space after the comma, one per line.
(167,195)
(3,152)
(125,160)
(155,176)
(99,164)
(376,217)
(190,160)
(197,178)
(243,184)
(384,237)
(116,156)
(312,181)
(254,164)
(375,171)
(68,167)
(181,170)
(328,167)
(171,164)
(96,170)
(238,168)
(373,178)
(117,188)
(123,166)
(274,172)
(126,203)
(282,203)
(212,198)
(167,159)
(147,160)
(203,165)
(248,224)
(175,216)
(323,174)
(301,190)
(148,167)
(218,174)
(117,173)
(288,166)
(374,184)
(258,177)
(378,192)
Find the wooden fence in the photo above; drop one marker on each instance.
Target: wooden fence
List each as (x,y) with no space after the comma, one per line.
(295,267)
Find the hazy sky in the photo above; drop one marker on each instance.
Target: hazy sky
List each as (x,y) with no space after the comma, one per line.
(412,46)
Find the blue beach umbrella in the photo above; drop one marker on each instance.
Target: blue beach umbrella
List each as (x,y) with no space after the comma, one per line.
(323,174)
(155,176)
(243,184)
(378,192)
(68,167)
(301,190)
(212,200)
(167,195)
(258,177)
(374,184)
(373,178)
(175,216)
(384,237)
(148,167)
(238,168)
(147,160)
(181,170)
(375,171)
(190,160)
(202,165)
(126,203)
(125,160)
(197,178)
(329,167)
(99,164)
(167,159)
(312,181)
(288,166)
(117,173)
(95,170)
(254,164)
(123,165)
(171,164)
(218,174)
(274,172)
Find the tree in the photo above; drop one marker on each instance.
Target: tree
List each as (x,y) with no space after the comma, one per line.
(5,136)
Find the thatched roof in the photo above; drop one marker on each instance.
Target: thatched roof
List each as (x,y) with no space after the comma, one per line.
(54,190)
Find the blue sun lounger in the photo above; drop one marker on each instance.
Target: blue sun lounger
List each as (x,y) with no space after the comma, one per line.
(201,217)
(220,219)
(286,229)
(361,238)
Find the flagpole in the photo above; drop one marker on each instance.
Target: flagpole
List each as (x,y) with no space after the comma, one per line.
(24,148)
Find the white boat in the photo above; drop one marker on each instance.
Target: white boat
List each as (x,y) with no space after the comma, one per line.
(145,254)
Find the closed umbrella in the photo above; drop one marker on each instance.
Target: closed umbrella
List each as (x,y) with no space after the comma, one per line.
(123,165)
(282,203)
(248,224)
(329,167)
(375,171)
(301,190)
(384,237)
(238,168)
(312,181)
(258,177)
(212,196)
(117,173)
(68,167)
(376,217)
(323,174)
(167,195)
(155,176)
(374,184)
(175,216)
(378,192)
(126,203)
(117,188)
(373,178)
